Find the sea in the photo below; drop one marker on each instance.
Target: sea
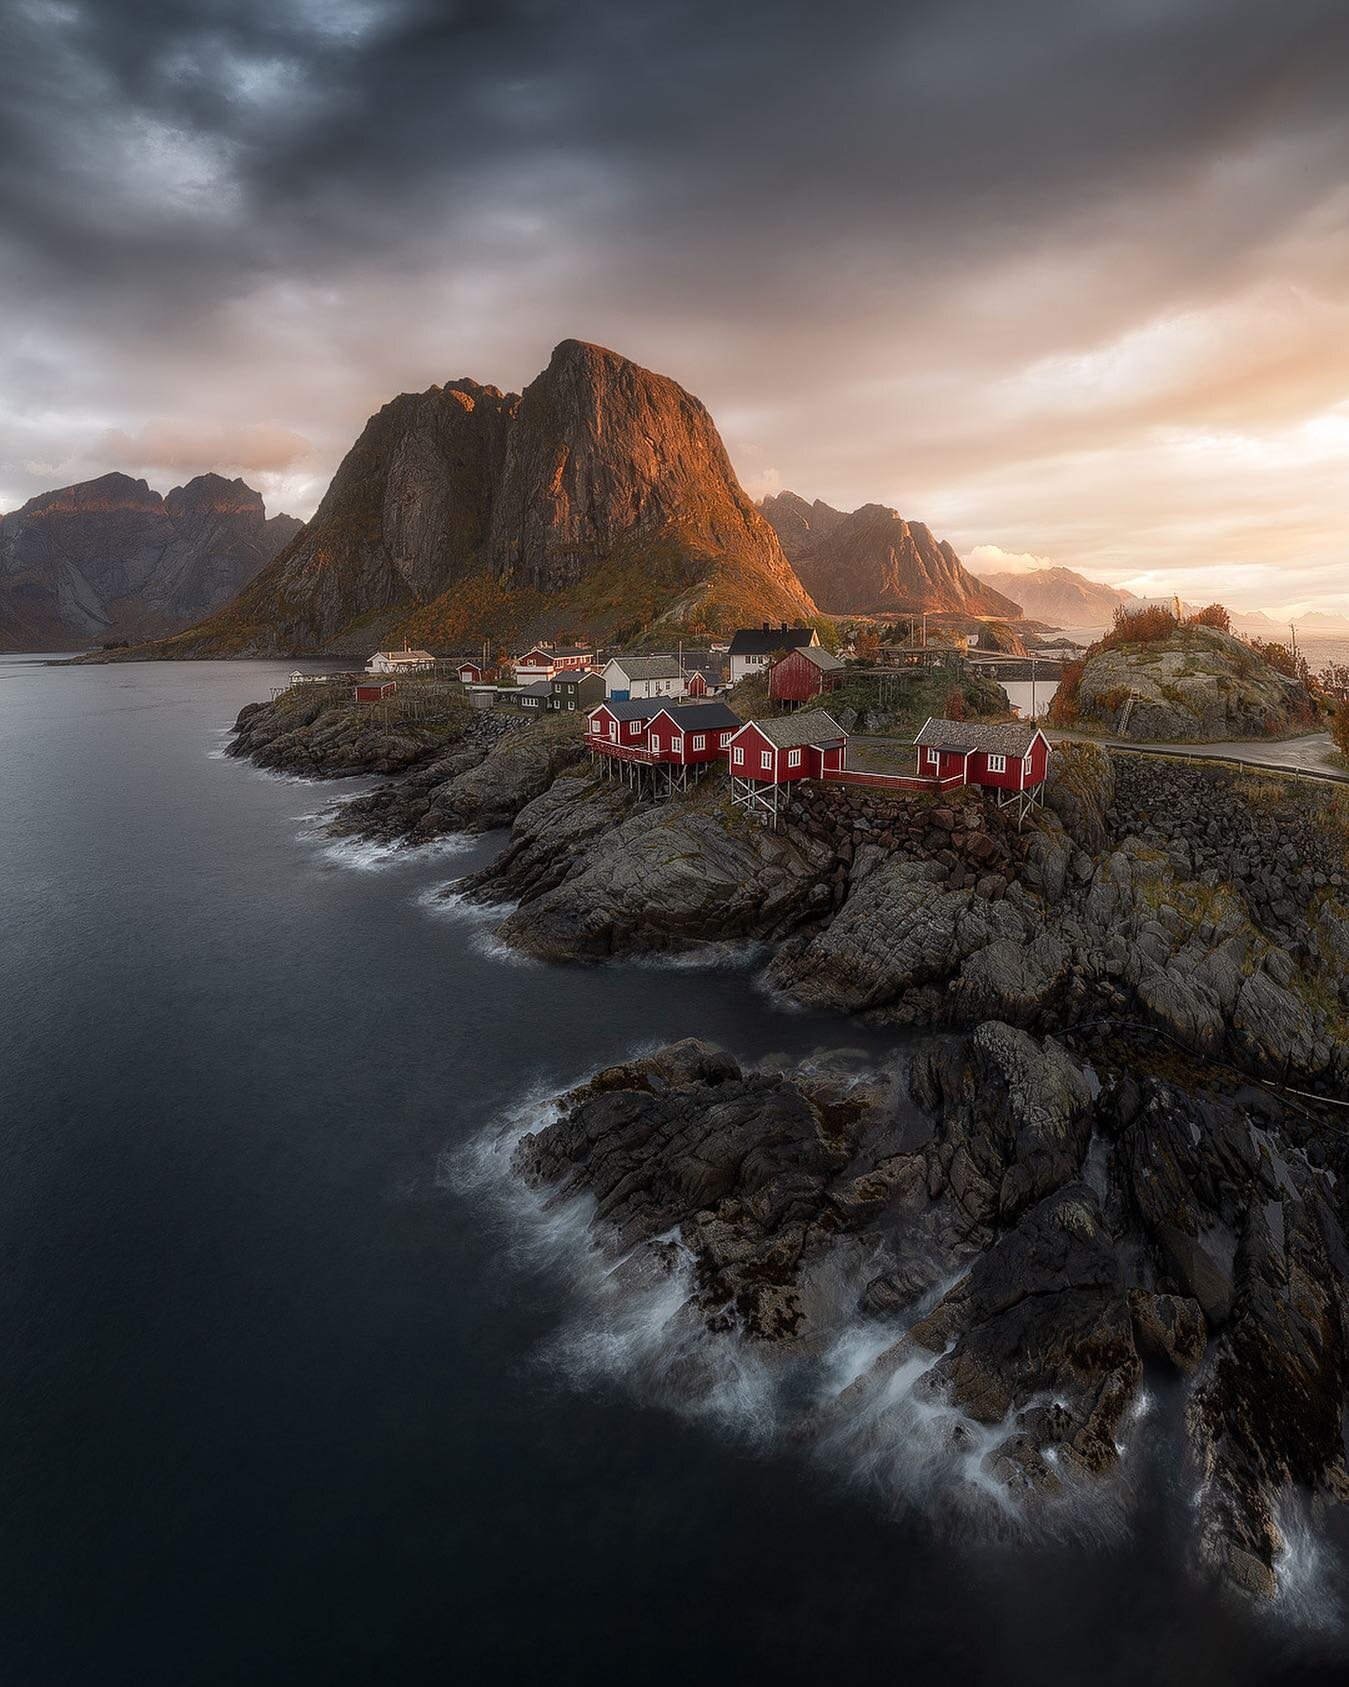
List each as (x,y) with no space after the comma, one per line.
(297,1389)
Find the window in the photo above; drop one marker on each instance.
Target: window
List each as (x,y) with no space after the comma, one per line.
(677,746)
(571,705)
(933,757)
(794,758)
(1025,763)
(997,764)
(739,756)
(766,759)
(725,739)
(634,727)
(699,741)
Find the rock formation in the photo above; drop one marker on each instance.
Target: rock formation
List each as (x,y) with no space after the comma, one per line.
(602,497)
(873,562)
(1059,596)
(1197,686)
(109,558)
(1037,1233)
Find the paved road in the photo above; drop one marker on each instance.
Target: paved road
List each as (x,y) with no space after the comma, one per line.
(1308,754)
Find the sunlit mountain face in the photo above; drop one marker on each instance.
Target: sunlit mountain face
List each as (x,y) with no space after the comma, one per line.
(1066,283)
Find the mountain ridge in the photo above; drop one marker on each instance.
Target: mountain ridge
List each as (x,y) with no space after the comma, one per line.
(871,561)
(601,498)
(111,557)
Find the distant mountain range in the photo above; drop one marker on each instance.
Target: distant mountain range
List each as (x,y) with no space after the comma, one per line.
(601,498)
(1060,596)
(109,558)
(874,562)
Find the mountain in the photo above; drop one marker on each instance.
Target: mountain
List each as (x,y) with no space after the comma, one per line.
(109,558)
(1061,596)
(798,524)
(873,562)
(600,499)
(1320,621)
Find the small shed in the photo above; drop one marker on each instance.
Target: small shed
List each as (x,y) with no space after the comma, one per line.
(375,690)
(804,674)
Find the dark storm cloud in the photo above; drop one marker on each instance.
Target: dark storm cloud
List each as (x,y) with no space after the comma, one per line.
(895,216)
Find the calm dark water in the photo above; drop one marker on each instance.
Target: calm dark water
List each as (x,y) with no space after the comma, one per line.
(273,1408)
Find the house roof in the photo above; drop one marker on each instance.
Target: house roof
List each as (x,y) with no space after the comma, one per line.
(648,667)
(573,676)
(700,717)
(643,709)
(406,655)
(1009,738)
(763,641)
(806,726)
(824,660)
(540,688)
(564,651)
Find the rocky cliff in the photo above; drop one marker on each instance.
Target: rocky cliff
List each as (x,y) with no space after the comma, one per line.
(1198,685)
(1060,596)
(873,562)
(601,498)
(1006,1237)
(109,558)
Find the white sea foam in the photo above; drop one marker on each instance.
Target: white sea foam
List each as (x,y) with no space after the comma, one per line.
(369,854)
(872,1420)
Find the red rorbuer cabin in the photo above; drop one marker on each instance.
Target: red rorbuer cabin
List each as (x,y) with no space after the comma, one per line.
(1012,757)
(375,690)
(670,739)
(765,755)
(803,674)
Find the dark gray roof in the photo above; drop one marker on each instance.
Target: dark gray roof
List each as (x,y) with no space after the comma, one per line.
(648,667)
(702,717)
(1008,738)
(763,641)
(806,726)
(564,650)
(643,709)
(540,688)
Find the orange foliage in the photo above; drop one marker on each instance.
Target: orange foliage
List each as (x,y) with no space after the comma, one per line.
(1063,709)
(1212,615)
(954,706)
(1139,626)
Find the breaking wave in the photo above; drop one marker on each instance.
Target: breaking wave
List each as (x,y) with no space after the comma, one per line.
(872,1421)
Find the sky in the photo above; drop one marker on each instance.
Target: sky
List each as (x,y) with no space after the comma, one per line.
(1066,279)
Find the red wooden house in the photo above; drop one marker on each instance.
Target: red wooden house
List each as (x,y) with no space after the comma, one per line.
(375,690)
(803,674)
(766,755)
(659,742)
(1010,758)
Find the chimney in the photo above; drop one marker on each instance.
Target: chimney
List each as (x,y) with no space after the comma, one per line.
(767,627)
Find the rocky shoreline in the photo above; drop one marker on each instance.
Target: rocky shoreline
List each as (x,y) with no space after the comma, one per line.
(1031,1239)
(1209,905)
(1041,1211)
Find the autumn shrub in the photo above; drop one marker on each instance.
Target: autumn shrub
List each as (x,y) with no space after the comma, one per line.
(1063,708)
(1116,697)
(1277,656)
(1139,626)
(1339,728)
(954,706)
(1212,615)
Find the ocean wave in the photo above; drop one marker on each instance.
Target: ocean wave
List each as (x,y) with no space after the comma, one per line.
(858,1399)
